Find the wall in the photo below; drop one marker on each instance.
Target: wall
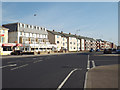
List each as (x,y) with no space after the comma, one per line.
(51,38)
(13,36)
(73,46)
(82,45)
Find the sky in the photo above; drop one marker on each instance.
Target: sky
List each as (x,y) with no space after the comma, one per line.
(98,20)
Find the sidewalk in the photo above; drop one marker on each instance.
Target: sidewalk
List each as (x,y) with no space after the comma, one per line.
(102,77)
(108,55)
(16,56)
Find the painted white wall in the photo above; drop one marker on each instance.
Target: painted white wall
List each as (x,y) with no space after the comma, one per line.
(82,44)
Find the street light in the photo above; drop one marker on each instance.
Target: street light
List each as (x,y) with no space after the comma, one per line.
(78,30)
(34,32)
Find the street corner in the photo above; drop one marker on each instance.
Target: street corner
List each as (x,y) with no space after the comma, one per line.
(102,77)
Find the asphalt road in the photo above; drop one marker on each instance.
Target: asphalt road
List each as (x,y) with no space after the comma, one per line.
(54,71)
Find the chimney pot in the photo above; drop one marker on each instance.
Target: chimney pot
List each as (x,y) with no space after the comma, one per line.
(53,30)
(62,32)
(69,33)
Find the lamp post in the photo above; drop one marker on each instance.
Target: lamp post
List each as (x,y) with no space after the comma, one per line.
(78,30)
(34,32)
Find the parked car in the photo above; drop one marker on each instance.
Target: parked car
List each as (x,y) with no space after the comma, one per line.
(107,51)
(91,50)
(97,50)
(114,49)
(118,51)
(16,52)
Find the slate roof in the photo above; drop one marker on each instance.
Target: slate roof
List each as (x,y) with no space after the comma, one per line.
(70,35)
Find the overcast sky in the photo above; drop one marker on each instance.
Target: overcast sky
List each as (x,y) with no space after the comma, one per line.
(92,19)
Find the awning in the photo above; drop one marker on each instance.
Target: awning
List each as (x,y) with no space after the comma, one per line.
(8,44)
(19,45)
(1,34)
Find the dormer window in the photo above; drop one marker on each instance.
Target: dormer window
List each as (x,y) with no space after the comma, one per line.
(34,27)
(38,28)
(27,26)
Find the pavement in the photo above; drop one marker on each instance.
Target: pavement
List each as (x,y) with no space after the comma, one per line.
(17,56)
(102,77)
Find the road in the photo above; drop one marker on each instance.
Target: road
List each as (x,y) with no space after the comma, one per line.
(53,71)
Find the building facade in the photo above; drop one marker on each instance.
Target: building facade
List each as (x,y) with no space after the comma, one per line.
(33,38)
(58,39)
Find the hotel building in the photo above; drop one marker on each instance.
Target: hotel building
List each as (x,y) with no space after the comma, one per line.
(33,38)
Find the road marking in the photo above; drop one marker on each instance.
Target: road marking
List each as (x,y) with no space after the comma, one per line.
(37,61)
(93,63)
(8,65)
(85,80)
(60,86)
(19,67)
(88,64)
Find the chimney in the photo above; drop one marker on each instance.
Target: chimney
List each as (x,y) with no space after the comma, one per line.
(75,35)
(69,33)
(53,30)
(61,32)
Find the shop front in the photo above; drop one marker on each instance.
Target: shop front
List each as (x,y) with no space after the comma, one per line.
(7,48)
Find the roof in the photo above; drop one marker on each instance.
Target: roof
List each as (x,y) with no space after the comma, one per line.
(70,35)
(1,27)
(55,33)
(99,39)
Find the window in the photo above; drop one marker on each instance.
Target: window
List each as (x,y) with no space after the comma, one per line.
(27,26)
(38,28)
(3,31)
(7,48)
(74,43)
(34,27)
(20,33)
(2,39)
(63,38)
(74,47)
(70,42)
(22,25)
(32,49)
(57,36)
(57,41)
(71,47)
(63,44)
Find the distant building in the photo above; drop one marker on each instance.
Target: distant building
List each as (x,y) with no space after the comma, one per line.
(90,43)
(73,43)
(58,39)
(101,44)
(33,38)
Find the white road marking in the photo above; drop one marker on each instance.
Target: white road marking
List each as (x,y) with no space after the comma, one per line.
(88,64)
(85,80)
(37,61)
(60,86)
(8,65)
(19,67)
(93,63)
